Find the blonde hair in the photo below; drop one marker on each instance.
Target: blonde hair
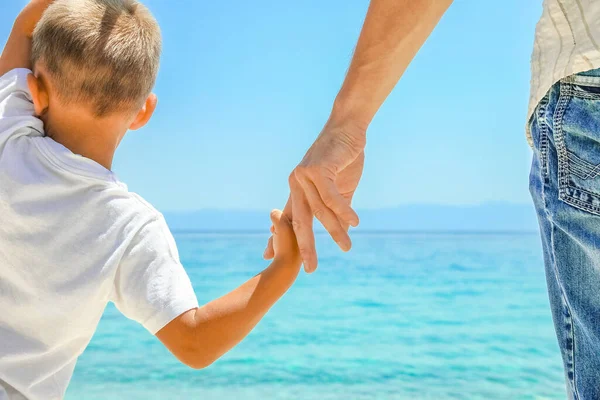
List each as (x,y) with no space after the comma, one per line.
(101,52)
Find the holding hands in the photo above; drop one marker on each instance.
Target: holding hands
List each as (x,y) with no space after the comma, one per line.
(324,182)
(323,185)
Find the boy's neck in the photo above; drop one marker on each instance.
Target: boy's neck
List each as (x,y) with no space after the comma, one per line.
(96,139)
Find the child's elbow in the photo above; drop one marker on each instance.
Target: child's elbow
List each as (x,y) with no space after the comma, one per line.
(199,364)
(198,359)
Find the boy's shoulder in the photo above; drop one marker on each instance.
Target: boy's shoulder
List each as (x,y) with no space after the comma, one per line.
(144,205)
(126,216)
(128,201)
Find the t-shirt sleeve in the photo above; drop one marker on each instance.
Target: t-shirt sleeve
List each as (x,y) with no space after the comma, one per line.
(16,106)
(151,286)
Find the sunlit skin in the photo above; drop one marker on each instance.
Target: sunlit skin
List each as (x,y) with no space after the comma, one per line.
(64,122)
(199,336)
(324,182)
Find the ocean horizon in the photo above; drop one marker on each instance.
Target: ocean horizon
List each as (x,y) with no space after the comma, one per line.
(404,315)
(490,216)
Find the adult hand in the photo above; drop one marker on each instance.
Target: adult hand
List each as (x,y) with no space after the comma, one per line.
(324,182)
(323,185)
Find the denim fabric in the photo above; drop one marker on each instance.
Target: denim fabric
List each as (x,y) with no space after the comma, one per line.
(565,187)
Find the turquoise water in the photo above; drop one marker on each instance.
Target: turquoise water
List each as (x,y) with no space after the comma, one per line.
(403,316)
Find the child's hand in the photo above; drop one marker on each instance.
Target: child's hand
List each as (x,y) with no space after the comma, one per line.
(284,240)
(31,15)
(17,51)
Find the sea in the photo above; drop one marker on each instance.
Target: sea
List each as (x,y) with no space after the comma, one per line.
(403,315)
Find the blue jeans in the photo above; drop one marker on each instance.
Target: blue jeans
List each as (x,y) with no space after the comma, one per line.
(565,187)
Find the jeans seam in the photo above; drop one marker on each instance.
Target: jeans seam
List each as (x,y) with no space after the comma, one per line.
(563,99)
(543,137)
(565,162)
(582,205)
(586,96)
(582,168)
(567,317)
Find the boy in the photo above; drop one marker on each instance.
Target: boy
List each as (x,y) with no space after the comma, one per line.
(75,75)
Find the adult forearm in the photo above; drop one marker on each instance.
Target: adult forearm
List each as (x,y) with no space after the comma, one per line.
(393,32)
(224,322)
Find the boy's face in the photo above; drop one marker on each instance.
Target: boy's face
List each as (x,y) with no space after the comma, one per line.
(48,105)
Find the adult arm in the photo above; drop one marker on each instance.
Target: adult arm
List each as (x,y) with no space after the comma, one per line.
(323,184)
(17,51)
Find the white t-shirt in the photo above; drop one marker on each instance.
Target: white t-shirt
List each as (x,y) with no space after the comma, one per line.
(72,238)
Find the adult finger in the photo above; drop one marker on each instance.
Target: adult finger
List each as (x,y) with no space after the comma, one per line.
(287,210)
(327,217)
(302,223)
(333,200)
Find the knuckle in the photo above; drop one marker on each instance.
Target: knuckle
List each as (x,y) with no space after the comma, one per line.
(292,178)
(296,225)
(301,171)
(305,253)
(319,213)
(328,201)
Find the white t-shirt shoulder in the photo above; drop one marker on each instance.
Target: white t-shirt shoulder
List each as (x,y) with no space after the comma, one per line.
(72,239)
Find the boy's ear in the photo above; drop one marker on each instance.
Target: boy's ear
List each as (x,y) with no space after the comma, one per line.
(143,116)
(39,94)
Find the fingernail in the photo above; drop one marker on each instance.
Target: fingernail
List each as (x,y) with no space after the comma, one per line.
(309,269)
(345,244)
(306,269)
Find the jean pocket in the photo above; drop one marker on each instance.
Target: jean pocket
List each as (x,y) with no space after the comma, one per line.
(576,125)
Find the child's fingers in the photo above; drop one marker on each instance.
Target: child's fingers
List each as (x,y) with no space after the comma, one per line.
(281,224)
(275,217)
(269,251)
(275,220)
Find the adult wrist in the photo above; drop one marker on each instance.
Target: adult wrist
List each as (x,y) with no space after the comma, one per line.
(347,128)
(349,116)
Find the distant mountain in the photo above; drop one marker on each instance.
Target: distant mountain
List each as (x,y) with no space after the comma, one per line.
(418,217)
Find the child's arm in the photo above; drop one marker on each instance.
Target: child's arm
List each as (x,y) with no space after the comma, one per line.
(201,336)
(17,52)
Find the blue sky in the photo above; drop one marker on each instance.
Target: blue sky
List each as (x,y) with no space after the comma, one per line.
(245,87)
